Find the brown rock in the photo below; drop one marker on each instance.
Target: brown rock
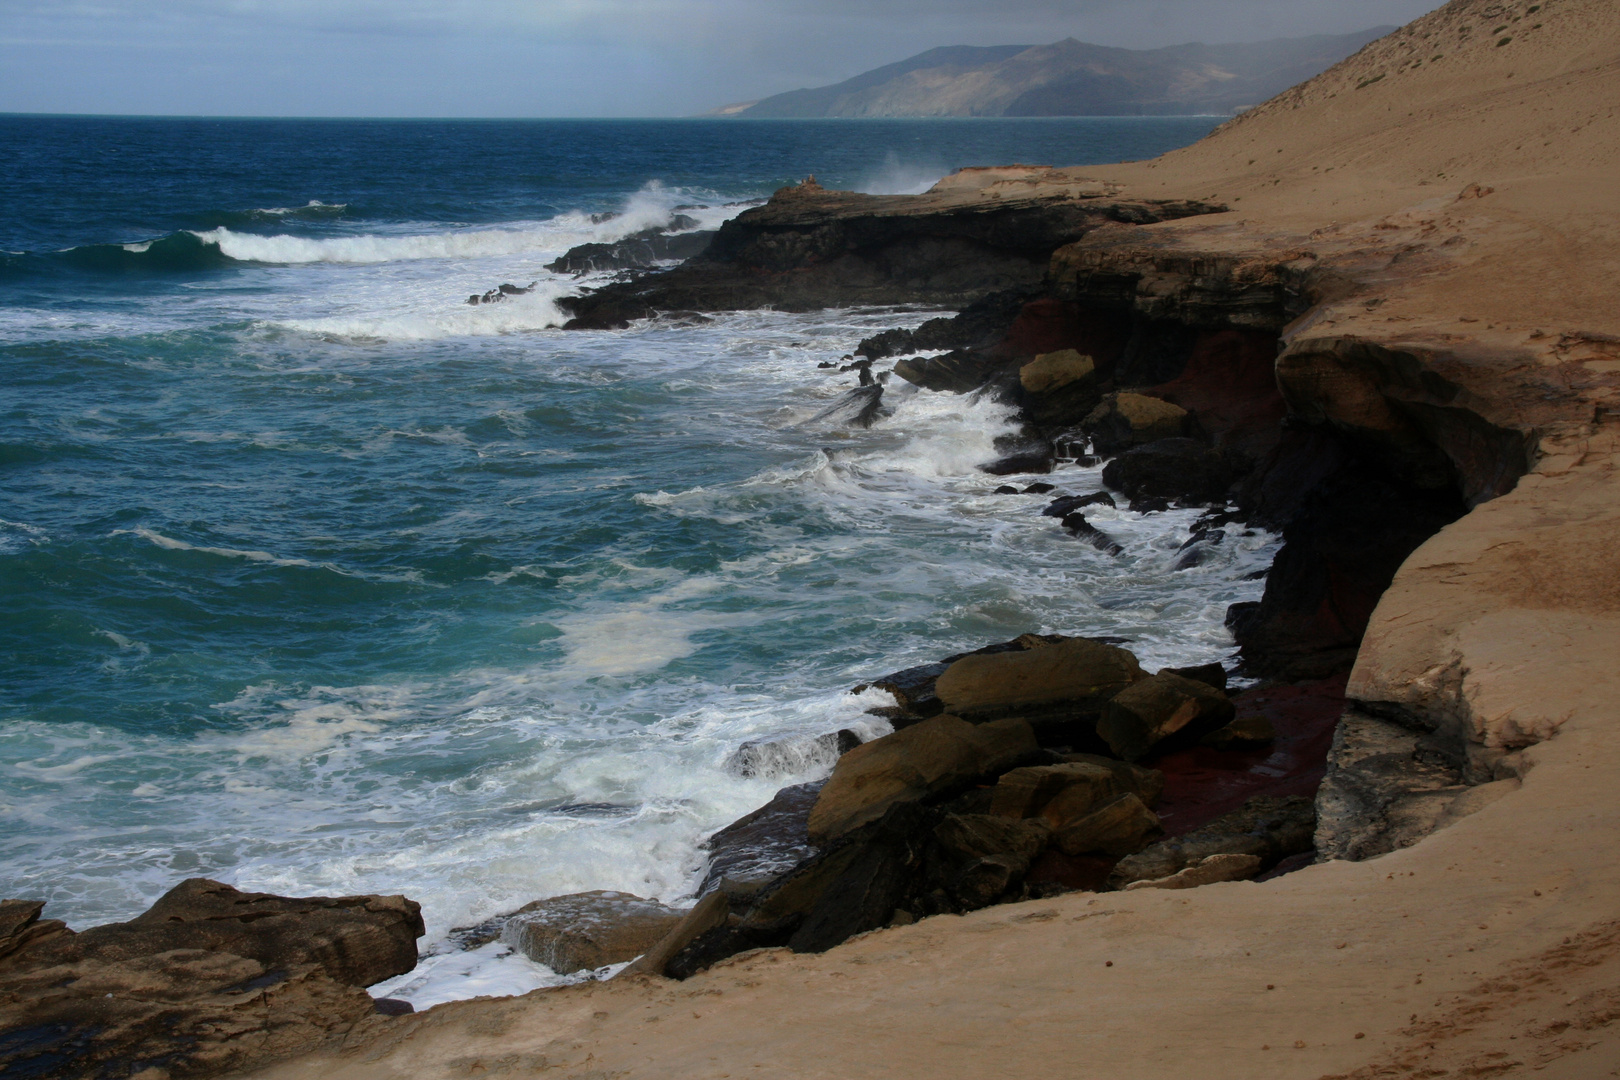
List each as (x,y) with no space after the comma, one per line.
(1244,733)
(1125,420)
(358,940)
(1024,793)
(1139,718)
(585,931)
(1076,674)
(208,980)
(710,912)
(1055,370)
(976,836)
(1119,827)
(920,762)
(1269,827)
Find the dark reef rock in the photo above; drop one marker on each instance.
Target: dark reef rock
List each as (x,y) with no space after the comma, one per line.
(643,249)
(1182,470)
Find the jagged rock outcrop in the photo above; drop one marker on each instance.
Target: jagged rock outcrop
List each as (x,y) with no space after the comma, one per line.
(208,980)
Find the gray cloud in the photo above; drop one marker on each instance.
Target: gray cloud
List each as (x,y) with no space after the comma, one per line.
(554,57)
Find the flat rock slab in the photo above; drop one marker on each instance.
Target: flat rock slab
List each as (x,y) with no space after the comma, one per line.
(589,930)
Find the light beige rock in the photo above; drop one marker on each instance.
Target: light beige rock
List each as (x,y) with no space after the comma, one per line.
(1118,827)
(1055,370)
(1076,671)
(585,931)
(1145,714)
(911,764)
(1207,871)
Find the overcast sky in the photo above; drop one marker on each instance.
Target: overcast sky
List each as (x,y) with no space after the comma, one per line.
(554,57)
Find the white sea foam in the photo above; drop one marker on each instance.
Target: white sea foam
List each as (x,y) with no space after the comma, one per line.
(170,544)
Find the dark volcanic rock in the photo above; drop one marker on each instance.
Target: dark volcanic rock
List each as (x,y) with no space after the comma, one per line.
(1180,469)
(1085,530)
(1068,504)
(1121,421)
(809,248)
(959,372)
(646,248)
(913,689)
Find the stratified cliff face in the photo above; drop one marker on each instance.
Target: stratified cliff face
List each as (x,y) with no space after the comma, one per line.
(1073,78)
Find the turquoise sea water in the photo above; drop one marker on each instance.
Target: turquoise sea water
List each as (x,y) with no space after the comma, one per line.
(317,579)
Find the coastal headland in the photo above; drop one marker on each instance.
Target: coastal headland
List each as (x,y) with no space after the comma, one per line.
(1380,313)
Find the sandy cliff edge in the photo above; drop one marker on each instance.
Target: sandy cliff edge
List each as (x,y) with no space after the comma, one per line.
(1490,948)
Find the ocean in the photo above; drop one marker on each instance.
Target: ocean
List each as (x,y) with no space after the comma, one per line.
(319,580)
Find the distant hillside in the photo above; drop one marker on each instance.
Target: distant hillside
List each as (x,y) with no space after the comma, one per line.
(1072,78)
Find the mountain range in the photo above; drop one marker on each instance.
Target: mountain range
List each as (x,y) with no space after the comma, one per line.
(1071,78)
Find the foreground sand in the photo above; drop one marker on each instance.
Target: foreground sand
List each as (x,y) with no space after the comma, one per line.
(1492,947)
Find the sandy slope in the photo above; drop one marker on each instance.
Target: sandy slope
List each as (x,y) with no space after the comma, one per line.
(1491,948)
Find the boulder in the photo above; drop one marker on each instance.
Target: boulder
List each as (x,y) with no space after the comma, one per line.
(1025,792)
(357,940)
(1125,420)
(1033,457)
(757,848)
(1055,370)
(1068,504)
(929,760)
(913,689)
(588,930)
(1268,827)
(1120,826)
(1139,718)
(1209,674)
(1206,871)
(959,372)
(209,980)
(1077,525)
(1184,470)
(708,914)
(1073,675)
(965,838)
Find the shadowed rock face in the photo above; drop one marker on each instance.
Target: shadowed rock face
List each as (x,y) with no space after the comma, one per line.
(209,979)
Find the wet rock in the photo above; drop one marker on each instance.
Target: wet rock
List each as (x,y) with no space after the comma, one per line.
(880,876)
(1124,420)
(1006,489)
(1028,458)
(209,980)
(392,1006)
(859,408)
(913,690)
(1120,826)
(1025,792)
(710,913)
(1207,871)
(980,325)
(588,930)
(1076,675)
(1039,488)
(790,755)
(1165,706)
(929,760)
(1268,827)
(1078,526)
(1068,504)
(957,372)
(757,848)
(646,248)
(1183,470)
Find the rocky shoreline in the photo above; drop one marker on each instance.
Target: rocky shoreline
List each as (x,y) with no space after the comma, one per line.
(1409,374)
(1028,768)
